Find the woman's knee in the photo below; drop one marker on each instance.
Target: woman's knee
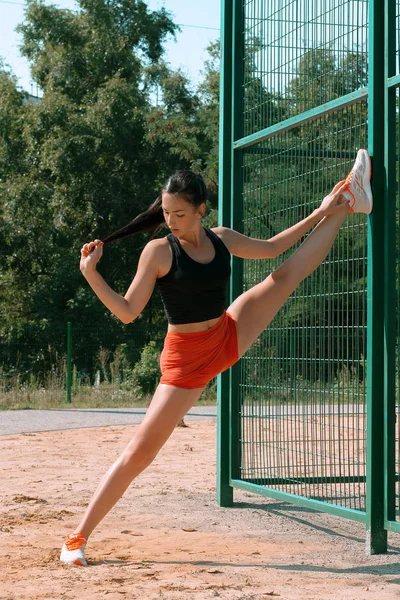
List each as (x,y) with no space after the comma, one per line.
(139,454)
(285,275)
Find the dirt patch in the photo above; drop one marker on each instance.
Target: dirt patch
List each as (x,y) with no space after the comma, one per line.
(167,538)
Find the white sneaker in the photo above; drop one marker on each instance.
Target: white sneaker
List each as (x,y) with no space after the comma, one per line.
(73,550)
(359,193)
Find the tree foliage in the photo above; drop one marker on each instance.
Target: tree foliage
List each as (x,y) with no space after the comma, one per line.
(85,160)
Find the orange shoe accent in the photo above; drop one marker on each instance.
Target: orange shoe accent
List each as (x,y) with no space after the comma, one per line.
(349,177)
(74,541)
(78,562)
(348,181)
(347,188)
(337,186)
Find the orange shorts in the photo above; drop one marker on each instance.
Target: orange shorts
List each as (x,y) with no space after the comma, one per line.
(191,360)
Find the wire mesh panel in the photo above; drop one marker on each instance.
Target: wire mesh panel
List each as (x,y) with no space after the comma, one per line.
(301,393)
(302,384)
(300,55)
(309,414)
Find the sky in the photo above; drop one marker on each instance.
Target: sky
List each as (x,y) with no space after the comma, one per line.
(187,52)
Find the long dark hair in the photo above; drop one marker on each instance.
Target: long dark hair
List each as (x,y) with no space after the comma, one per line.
(188,184)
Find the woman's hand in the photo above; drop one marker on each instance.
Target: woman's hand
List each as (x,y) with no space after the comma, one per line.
(90,255)
(334,201)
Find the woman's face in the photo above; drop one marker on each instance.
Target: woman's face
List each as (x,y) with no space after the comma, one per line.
(181,216)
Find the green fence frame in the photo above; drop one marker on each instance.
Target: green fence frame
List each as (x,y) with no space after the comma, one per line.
(391,263)
(379,476)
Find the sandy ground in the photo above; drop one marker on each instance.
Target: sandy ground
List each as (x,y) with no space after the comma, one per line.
(167,538)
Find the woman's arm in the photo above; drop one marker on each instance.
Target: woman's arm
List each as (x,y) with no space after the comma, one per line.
(287,238)
(129,307)
(245,247)
(113,301)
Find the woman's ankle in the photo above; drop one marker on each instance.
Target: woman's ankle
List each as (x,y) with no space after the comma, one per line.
(81,531)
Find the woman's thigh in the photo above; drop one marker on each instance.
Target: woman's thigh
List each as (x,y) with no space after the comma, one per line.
(168,406)
(254,310)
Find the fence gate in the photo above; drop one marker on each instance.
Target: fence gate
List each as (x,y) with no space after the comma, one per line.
(308,414)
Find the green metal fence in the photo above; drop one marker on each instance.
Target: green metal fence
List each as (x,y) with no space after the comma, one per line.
(302,415)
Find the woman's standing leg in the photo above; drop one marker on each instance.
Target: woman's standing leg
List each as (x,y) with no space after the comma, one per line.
(168,406)
(254,310)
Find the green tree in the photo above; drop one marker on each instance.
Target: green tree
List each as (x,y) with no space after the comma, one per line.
(83,162)
(12,111)
(187,120)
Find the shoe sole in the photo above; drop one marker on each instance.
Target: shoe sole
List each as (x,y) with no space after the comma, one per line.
(366,178)
(77,562)
(74,558)
(368,174)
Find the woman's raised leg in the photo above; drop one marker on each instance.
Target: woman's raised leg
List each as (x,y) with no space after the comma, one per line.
(254,310)
(168,406)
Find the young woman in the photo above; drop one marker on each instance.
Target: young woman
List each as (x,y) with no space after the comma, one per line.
(191,268)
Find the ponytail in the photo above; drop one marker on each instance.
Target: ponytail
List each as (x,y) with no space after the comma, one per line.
(150,219)
(187,184)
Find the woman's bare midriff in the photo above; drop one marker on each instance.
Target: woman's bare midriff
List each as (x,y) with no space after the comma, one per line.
(193,327)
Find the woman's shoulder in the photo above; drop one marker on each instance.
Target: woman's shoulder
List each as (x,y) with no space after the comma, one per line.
(158,243)
(160,251)
(158,248)
(221,231)
(225,235)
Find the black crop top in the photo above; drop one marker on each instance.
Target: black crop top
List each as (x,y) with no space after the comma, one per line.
(191,291)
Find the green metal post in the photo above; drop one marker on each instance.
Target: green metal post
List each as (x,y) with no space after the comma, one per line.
(390,265)
(376,538)
(224,490)
(237,219)
(69,342)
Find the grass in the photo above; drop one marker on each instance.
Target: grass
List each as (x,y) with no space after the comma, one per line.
(121,387)
(117,384)
(52,394)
